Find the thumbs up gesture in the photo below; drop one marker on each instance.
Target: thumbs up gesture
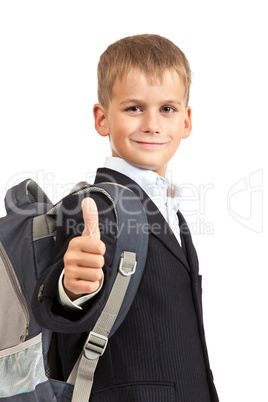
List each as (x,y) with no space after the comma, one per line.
(91,219)
(84,257)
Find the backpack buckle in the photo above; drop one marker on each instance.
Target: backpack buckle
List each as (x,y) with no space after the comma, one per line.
(128,263)
(95,346)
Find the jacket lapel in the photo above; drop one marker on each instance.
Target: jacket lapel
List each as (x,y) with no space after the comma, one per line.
(188,245)
(157,224)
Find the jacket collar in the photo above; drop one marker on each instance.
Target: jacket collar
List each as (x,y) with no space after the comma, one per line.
(157,224)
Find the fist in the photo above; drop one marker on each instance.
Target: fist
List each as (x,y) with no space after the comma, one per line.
(84,258)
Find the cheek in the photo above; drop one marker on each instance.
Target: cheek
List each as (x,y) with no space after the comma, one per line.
(127,126)
(175,144)
(118,141)
(120,131)
(121,127)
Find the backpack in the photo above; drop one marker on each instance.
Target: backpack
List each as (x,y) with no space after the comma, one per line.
(27,236)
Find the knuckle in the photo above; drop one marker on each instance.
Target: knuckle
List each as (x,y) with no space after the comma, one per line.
(99,274)
(103,248)
(69,258)
(74,242)
(96,274)
(68,273)
(91,287)
(100,248)
(68,284)
(100,261)
(75,288)
(66,259)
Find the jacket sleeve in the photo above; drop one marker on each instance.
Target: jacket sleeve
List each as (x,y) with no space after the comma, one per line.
(47,310)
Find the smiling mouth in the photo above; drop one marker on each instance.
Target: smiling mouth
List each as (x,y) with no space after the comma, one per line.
(150,144)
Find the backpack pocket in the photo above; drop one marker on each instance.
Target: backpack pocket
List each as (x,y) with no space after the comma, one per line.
(138,391)
(21,368)
(23,378)
(15,318)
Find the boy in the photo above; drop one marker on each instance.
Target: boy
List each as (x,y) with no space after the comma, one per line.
(159,351)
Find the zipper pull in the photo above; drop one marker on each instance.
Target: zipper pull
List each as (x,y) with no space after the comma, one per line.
(24,335)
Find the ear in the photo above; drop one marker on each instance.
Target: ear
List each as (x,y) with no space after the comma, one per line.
(100,117)
(187,122)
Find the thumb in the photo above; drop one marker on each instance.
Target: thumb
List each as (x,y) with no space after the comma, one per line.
(91,218)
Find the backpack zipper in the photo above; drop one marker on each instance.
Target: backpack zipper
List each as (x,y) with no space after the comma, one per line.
(17,288)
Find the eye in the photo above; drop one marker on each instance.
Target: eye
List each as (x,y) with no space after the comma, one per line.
(168,109)
(134,109)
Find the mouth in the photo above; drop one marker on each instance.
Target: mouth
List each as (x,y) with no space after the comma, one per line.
(147,144)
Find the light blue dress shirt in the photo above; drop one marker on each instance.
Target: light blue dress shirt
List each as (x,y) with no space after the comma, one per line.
(165,194)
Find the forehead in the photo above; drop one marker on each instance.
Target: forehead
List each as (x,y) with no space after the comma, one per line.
(138,82)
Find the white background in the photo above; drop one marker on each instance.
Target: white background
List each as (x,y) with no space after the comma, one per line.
(49,52)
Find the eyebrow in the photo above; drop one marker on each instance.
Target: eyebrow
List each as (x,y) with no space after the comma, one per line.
(130,100)
(173,101)
(138,101)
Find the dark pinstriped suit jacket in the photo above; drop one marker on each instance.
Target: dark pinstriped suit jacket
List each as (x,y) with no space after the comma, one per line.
(159,352)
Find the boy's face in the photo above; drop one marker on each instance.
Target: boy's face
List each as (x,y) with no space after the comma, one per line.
(145,120)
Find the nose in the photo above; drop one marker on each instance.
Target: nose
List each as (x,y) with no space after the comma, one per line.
(151,123)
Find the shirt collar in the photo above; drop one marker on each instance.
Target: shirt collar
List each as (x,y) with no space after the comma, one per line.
(149,181)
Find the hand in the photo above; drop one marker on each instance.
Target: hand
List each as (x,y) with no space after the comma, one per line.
(84,257)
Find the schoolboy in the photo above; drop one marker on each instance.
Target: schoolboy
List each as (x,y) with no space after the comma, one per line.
(159,352)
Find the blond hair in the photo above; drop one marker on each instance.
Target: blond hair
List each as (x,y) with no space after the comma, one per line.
(151,54)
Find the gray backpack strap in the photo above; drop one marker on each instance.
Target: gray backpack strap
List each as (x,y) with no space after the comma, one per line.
(131,253)
(78,186)
(82,374)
